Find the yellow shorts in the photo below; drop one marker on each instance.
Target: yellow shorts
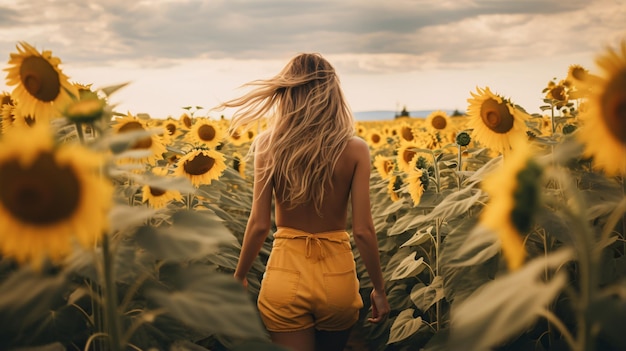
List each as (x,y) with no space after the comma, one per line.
(310,281)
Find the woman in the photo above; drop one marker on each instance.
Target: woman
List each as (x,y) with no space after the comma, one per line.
(310,161)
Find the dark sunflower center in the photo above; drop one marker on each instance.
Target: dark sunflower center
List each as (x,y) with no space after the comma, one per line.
(171,128)
(199,165)
(156,191)
(558,93)
(496,116)
(397,184)
(376,138)
(388,166)
(143,143)
(579,73)
(250,134)
(439,122)
(236,163)
(613,106)
(236,136)
(407,134)
(206,132)
(40,78)
(187,121)
(408,155)
(30,121)
(6,100)
(40,194)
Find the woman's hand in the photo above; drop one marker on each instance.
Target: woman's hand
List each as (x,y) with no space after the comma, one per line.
(243,281)
(380,306)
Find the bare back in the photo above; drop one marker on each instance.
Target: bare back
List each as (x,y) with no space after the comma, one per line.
(335,204)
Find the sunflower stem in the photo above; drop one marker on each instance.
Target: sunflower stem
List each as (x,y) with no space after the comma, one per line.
(438,222)
(110,300)
(79,131)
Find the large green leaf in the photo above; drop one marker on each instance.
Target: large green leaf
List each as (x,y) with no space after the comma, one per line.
(479,245)
(405,326)
(409,267)
(193,235)
(210,302)
(425,296)
(422,236)
(502,308)
(453,205)
(125,217)
(27,296)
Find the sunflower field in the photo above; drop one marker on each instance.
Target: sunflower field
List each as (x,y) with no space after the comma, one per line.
(498,229)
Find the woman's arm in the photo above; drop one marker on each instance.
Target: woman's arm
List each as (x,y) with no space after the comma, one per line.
(363,229)
(259,222)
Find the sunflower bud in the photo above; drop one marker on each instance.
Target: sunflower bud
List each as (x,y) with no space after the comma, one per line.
(569,129)
(86,110)
(463,139)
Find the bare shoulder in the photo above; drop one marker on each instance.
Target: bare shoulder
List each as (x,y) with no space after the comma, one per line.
(357,148)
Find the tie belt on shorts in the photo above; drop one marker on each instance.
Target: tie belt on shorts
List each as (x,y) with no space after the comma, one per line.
(312,239)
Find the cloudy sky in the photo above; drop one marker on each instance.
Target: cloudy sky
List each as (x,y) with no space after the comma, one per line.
(422,54)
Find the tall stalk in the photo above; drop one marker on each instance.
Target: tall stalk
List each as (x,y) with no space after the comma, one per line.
(110,302)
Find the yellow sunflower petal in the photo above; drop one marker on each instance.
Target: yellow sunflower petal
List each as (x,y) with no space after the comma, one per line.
(603,129)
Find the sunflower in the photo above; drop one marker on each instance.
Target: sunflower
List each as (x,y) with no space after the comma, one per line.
(251,134)
(152,143)
(159,198)
(238,137)
(494,120)
(375,139)
(41,89)
(185,121)
(50,196)
(558,93)
(438,121)
(514,190)
(415,186)
(577,74)
(171,130)
(406,154)
(201,166)
(603,130)
(405,132)
(239,164)
(205,132)
(384,166)
(360,129)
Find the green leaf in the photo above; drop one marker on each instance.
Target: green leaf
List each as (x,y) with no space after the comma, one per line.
(210,302)
(453,205)
(478,246)
(409,267)
(425,296)
(124,216)
(108,90)
(404,326)
(422,236)
(193,235)
(27,296)
(503,308)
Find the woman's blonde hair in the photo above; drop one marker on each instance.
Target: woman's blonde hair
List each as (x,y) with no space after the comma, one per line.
(309,125)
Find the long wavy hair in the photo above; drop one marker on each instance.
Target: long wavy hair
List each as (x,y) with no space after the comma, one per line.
(309,125)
